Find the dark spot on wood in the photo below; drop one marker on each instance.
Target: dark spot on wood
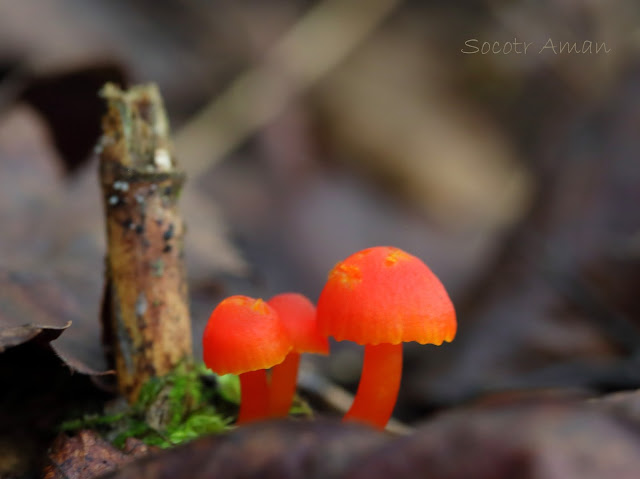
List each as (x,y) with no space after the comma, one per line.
(144,109)
(169,233)
(139,229)
(166,249)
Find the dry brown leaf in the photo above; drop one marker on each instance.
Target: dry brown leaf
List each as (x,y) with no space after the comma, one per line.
(535,439)
(86,455)
(274,449)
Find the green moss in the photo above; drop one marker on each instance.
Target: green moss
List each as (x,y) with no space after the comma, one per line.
(229,388)
(187,403)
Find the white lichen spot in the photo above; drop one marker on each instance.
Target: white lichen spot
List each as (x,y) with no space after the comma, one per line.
(141,304)
(121,186)
(162,159)
(139,198)
(113,200)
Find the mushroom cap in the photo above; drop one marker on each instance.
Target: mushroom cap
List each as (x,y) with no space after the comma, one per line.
(244,334)
(298,315)
(385,295)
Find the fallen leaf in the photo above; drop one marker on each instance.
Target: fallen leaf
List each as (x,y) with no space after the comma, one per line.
(274,449)
(86,455)
(31,307)
(536,440)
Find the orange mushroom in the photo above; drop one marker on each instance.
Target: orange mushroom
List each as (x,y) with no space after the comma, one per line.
(381,297)
(244,336)
(298,315)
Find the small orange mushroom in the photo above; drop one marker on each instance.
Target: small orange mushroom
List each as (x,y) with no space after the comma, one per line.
(298,315)
(244,336)
(381,297)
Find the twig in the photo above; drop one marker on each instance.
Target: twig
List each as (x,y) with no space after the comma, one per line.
(146,304)
(338,399)
(313,47)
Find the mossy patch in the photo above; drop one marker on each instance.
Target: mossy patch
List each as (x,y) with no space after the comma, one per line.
(189,402)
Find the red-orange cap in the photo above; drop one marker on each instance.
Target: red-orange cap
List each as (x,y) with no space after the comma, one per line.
(385,295)
(244,334)
(298,315)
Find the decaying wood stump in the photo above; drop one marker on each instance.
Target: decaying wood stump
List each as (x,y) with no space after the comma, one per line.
(146,302)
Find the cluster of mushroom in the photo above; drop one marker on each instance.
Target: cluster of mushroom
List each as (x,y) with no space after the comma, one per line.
(379,297)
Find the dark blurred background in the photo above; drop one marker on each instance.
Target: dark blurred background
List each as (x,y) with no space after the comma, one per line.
(312,129)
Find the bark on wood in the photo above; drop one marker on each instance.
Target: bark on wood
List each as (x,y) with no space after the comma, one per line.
(146,297)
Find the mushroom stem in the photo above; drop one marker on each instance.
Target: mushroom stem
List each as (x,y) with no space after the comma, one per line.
(379,385)
(254,392)
(283,385)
